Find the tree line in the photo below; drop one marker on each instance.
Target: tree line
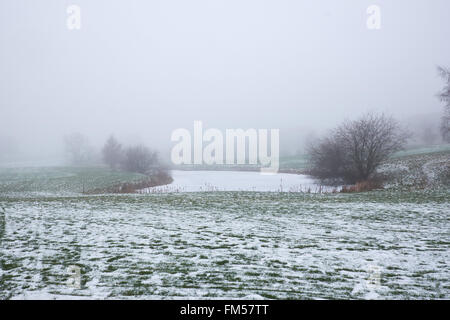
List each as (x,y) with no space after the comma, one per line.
(137,158)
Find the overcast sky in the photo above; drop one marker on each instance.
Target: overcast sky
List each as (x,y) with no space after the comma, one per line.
(141,69)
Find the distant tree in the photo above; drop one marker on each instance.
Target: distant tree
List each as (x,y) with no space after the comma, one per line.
(78,149)
(140,159)
(429,135)
(444,96)
(353,151)
(112,153)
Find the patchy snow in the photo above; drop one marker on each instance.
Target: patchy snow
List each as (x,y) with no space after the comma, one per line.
(198,181)
(227,245)
(421,170)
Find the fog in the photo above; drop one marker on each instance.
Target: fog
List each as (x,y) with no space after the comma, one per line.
(141,69)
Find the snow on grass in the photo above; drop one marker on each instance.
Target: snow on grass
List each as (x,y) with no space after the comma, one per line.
(383,244)
(430,170)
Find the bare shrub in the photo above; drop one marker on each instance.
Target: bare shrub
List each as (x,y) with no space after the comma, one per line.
(327,159)
(140,159)
(353,151)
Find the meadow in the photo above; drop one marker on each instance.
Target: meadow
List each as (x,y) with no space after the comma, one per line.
(383,244)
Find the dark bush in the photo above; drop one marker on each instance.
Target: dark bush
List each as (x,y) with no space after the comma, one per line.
(140,159)
(353,151)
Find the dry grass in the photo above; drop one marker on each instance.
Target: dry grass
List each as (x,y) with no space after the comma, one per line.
(363,186)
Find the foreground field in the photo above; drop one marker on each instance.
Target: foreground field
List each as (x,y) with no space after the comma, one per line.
(383,244)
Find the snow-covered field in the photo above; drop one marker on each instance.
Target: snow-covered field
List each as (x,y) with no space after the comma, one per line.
(197,181)
(382,244)
(423,170)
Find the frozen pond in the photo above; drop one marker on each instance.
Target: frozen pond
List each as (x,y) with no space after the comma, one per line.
(197,181)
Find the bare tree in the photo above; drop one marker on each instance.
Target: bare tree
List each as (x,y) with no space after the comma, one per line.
(326,157)
(355,149)
(140,159)
(78,149)
(444,96)
(112,152)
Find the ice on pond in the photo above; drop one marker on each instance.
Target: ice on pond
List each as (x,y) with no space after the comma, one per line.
(198,181)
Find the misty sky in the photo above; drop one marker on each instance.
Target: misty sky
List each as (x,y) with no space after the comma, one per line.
(141,69)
